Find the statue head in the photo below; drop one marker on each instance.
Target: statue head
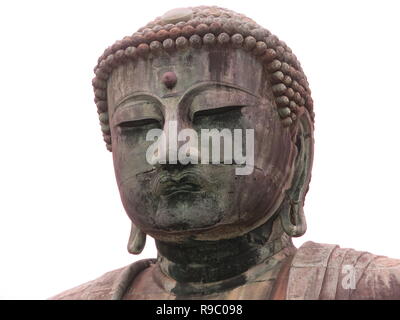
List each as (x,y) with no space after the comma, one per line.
(205,68)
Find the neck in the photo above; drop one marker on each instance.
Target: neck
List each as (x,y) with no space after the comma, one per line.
(213,261)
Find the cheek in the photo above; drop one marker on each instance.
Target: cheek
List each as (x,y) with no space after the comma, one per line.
(129,153)
(273,146)
(274,152)
(136,184)
(130,164)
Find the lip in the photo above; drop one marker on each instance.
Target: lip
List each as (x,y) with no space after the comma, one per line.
(167,184)
(180,188)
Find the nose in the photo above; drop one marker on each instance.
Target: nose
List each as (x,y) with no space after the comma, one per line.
(178,144)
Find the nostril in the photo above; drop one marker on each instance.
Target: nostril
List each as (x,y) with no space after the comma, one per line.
(174,167)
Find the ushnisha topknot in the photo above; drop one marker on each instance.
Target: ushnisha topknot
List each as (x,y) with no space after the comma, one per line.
(207,27)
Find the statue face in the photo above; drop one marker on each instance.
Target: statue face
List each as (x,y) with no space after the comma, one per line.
(215,89)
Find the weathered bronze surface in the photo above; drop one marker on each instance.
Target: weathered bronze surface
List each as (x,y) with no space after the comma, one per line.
(219,235)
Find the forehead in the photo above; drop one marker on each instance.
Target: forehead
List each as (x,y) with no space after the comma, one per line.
(236,67)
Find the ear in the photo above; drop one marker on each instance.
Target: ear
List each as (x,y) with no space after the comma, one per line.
(137,240)
(292,215)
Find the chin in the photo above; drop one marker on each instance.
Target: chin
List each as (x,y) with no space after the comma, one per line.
(186,211)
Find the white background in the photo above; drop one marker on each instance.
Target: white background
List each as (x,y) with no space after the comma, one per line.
(61,221)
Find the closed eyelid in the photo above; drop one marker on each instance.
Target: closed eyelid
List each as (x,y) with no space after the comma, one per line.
(137,111)
(214,111)
(137,99)
(220,97)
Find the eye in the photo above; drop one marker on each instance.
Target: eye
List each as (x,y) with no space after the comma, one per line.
(217,111)
(139,123)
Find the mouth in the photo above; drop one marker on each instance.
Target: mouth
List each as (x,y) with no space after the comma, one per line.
(168,184)
(180,188)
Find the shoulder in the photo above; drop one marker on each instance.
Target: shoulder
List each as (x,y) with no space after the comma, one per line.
(325,271)
(109,286)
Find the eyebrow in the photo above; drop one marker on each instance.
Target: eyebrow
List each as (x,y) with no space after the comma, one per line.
(198,88)
(138,95)
(202,86)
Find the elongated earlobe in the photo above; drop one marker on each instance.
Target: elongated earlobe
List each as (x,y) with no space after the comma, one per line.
(291,214)
(137,240)
(292,218)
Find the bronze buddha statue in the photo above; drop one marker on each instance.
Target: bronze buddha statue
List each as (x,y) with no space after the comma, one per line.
(219,235)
